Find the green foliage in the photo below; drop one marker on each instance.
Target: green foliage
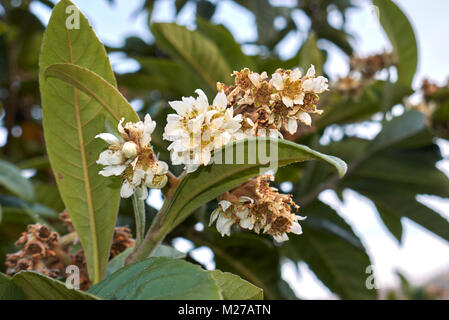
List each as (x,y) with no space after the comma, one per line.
(332,250)
(11,179)
(196,52)
(159,278)
(235,288)
(37,286)
(80,99)
(71,119)
(208,182)
(402,38)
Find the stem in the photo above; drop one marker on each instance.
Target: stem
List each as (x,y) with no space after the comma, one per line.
(139,214)
(160,226)
(154,237)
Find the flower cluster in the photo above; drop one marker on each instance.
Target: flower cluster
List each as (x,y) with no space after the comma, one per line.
(131,156)
(45,251)
(39,251)
(199,128)
(267,105)
(255,205)
(369,66)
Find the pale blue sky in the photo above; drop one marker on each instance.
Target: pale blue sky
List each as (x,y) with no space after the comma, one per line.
(422,254)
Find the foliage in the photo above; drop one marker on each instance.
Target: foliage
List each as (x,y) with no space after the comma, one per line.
(80,98)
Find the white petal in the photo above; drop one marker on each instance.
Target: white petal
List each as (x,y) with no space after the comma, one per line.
(254,77)
(246,199)
(242,214)
(224,204)
(112,170)
(296,228)
(295,74)
(214,216)
(109,157)
(277,80)
(311,71)
(292,125)
(138,176)
(120,126)
(299,99)
(148,128)
(181,107)
(305,118)
(281,238)
(127,190)
(287,101)
(162,167)
(224,225)
(220,100)
(246,223)
(109,138)
(202,103)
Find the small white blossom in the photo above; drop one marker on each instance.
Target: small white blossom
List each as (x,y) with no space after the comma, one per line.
(131,156)
(197,129)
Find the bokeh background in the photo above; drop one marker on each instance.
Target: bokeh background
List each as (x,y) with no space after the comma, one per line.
(422,257)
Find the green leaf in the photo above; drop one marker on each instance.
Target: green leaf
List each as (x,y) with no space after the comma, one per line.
(160,251)
(399,129)
(114,104)
(12,180)
(9,290)
(71,119)
(333,252)
(251,256)
(208,182)
(159,278)
(165,74)
(391,220)
(195,51)
(235,288)
(401,202)
(37,286)
(225,42)
(311,54)
(402,38)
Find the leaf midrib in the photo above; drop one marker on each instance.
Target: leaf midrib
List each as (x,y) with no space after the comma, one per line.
(90,206)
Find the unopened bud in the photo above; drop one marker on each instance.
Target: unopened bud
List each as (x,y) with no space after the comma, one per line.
(129,149)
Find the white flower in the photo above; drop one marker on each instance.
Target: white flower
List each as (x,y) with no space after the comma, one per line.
(312,84)
(131,156)
(197,129)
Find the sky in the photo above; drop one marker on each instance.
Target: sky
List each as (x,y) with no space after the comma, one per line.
(422,255)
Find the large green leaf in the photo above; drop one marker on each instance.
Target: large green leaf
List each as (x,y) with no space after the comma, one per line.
(9,290)
(159,278)
(208,182)
(402,38)
(71,119)
(235,288)
(37,286)
(253,257)
(311,54)
(12,180)
(160,251)
(167,75)
(332,250)
(397,200)
(225,42)
(195,51)
(398,129)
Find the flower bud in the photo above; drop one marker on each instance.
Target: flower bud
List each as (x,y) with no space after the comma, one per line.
(129,149)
